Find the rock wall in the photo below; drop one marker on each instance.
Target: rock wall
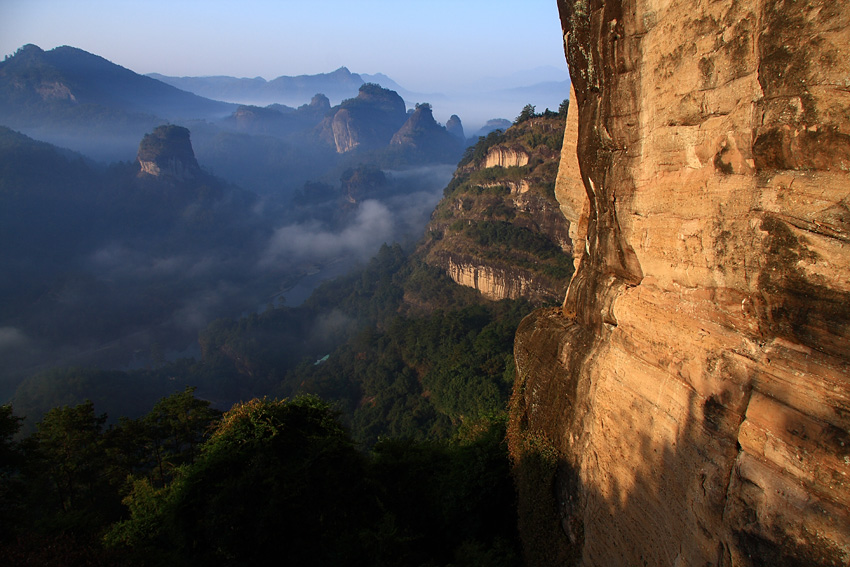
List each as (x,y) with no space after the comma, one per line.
(345,135)
(690,402)
(167,153)
(505,157)
(496,282)
(366,122)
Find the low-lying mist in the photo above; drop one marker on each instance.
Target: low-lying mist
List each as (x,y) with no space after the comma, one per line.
(145,280)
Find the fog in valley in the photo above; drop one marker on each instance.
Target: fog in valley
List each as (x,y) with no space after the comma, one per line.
(139,209)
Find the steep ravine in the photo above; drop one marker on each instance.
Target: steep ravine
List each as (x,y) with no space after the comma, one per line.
(690,402)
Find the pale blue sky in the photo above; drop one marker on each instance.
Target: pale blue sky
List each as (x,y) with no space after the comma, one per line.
(424,46)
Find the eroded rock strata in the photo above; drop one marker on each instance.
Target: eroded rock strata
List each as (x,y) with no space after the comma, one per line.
(690,402)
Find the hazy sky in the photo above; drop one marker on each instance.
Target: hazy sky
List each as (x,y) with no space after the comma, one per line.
(424,46)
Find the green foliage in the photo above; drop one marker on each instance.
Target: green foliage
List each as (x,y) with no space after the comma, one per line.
(526,114)
(450,501)
(68,466)
(147,507)
(496,174)
(69,476)
(499,234)
(420,376)
(69,441)
(277,478)
(11,459)
(174,429)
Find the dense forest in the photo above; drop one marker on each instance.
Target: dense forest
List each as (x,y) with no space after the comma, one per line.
(388,449)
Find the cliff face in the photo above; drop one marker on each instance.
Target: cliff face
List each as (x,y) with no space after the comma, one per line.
(167,153)
(506,157)
(365,122)
(499,229)
(690,403)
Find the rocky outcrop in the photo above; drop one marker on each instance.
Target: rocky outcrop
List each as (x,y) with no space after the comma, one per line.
(455,127)
(690,402)
(505,157)
(346,135)
(496,282)
(167,153)
(421,134)
(319,105)
(366,122)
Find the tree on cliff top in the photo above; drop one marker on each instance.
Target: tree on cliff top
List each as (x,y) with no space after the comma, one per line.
(526,114)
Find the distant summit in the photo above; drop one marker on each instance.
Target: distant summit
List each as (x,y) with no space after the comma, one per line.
(319,103)
(422,134)
(367,121)
(494,124)
(336,85)
(455,127)
(278,119)
(167,153)
(72,98)
(71,76)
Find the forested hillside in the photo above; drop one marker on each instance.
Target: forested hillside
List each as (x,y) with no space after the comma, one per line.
(374,434)
(499,227)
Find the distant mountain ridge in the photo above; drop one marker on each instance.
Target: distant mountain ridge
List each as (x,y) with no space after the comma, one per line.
(337,85)
(72,77)
(72,98)
(485,100)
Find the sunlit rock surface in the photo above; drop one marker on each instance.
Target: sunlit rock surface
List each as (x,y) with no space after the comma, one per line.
(506,157)
(690,402)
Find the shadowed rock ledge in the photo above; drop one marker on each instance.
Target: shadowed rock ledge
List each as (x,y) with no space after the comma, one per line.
(690,402)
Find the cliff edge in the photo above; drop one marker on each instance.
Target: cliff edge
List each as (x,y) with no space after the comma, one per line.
(690,402)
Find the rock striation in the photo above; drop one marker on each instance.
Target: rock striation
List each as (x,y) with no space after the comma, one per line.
(167,153)
(690,402)
(501,156)
(493,281)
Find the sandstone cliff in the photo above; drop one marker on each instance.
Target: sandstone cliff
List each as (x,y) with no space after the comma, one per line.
(365,122)
(167,153)
(690,402)
(499,229)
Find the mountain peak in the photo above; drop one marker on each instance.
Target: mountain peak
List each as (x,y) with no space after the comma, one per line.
(422,133)
(29,48)
(455,127)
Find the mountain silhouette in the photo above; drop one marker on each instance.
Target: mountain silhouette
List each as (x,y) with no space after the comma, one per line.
(72,98)
(337,85)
